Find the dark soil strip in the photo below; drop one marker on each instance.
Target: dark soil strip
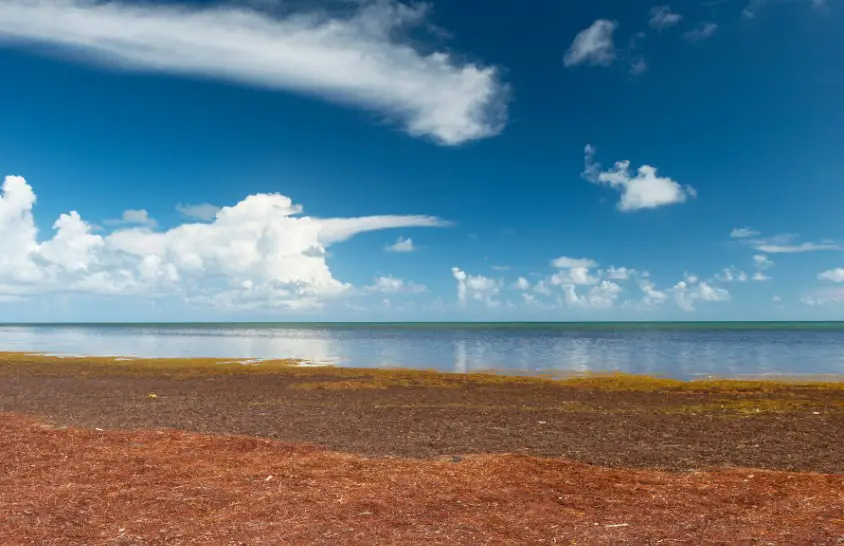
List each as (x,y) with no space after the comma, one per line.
(787,430)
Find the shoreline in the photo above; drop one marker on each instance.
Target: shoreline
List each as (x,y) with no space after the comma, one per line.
(179,365)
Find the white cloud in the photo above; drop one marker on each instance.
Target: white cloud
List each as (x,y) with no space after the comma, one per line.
(564,262)
(600,296)
(132,217)
(776,299)
(542,288)
(755,6)
(802,247)
(257,253)
(702,32)
(639,67)
(759,276)
(688,292)
(391,285)
(361,58)
(826,296)
(401,245)
(204,211)
(574,276)
(645,190)
(662,17)
(575,271)
(834,275)
(652,296)
(784,243)
(521,284)
(762,261)
(593,45)
(740,233)
(476,287)
(731,274)
(337,230)
(619,273)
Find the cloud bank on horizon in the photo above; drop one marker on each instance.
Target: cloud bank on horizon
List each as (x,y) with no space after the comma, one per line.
(259,253)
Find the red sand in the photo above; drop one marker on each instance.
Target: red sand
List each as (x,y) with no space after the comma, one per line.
(154,487)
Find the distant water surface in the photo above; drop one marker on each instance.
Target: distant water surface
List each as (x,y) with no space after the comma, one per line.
(682,350)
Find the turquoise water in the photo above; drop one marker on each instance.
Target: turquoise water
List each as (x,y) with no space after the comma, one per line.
(676,349)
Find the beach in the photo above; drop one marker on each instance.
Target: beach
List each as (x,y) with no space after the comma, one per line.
(645,458)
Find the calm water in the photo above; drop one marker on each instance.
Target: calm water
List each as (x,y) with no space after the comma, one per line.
(682,350)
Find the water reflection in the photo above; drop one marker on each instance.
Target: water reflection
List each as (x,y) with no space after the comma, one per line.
(679,353)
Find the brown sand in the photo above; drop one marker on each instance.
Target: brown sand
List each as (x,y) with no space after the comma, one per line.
(166,487)
(406,474)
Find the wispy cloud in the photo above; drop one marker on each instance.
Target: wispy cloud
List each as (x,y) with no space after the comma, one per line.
(593,45)
(802,247)
(639,67)
(360,59)
(741,233)
(203,211)
(702,32)
(391,285)
(783,243)
(662,18)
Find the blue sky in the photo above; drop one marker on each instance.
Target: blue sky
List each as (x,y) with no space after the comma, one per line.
(469,160)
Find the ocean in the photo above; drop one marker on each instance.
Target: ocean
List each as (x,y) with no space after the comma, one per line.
(682,350)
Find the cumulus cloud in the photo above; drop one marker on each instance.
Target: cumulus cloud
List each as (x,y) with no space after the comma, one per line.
(759,276)
(401,245)
(731,274)
(834,275)
(689,291)
(826,296)
(362,58)
(762,261)
(618,273)
(521,284)
(645,190)
(661,17)
(204,212)
(600,296)
(132,217)
(593,46)
(652,296)
(740,233)
(257,253)
(391,285)
(476,287)
(575,271)
(702,32)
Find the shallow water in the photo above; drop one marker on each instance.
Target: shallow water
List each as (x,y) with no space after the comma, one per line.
(681,350)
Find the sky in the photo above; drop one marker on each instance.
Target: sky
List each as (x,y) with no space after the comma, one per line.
(357,160)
